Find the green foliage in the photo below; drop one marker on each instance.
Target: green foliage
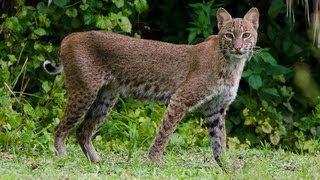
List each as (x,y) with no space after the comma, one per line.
(133,123)
(202,21)
(26,126)
(141,6)
(267,108)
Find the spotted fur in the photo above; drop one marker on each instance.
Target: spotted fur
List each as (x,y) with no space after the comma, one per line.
(99,66)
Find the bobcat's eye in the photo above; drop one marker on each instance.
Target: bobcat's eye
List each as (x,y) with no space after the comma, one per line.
(246,35)
(229,35)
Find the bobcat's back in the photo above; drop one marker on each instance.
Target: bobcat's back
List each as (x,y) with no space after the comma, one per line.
(140,68)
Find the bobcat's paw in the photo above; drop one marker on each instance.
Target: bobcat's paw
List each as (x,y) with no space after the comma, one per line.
(94,157)
(155,158)
(60,151)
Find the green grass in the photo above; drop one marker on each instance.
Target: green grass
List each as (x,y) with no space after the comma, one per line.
(178,164)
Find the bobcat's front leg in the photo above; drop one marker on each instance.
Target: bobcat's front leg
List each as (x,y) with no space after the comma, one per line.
(215,119)
(175,112)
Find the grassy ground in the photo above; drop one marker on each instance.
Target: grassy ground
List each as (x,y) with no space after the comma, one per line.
(179,164)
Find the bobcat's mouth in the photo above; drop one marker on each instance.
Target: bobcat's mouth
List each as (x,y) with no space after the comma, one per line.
(237,55)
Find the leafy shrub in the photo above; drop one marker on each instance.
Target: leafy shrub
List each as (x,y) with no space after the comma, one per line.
(202,21)
(27,126)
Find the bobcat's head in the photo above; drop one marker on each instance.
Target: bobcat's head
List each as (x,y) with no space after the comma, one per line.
(237,37)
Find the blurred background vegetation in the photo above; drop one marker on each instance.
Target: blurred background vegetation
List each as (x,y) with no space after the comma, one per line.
(277,103)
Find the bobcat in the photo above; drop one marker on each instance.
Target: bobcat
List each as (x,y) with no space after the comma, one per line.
(101,65)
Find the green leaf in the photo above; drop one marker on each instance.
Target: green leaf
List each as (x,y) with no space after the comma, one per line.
(266,128)
(276,7)
(22,13)
(88,19)
(8,126)
(12,58)
(37,46)
(266,56)
(249,121)
(288,106)
(247,73)
(84,7)
(101,22)
(125,24)
(28,109)
(61,3)
(40,32)
(255,81)
(13,24)
(114,17)
(72,12)
(127,12)
(207,32)
(275,138)
(278,70)
(271,33)
(287,43)
(43,20)
(4,101)
(141,5)
(42,8)
(118,3)
(46,86)
(192,36)
(280,78)
(271,91)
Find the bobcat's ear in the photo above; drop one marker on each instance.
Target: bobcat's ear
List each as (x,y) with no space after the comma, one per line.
(223,17)
(253,17)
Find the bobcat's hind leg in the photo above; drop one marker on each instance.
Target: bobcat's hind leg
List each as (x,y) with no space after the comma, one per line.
(102,105)
(77,104)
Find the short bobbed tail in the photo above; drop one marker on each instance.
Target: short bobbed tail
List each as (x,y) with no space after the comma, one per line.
(49,68)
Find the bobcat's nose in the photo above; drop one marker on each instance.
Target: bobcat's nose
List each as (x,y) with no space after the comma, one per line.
(240,51)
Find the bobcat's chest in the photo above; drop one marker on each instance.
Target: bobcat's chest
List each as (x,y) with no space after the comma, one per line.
(224,94)
(221,96)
